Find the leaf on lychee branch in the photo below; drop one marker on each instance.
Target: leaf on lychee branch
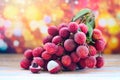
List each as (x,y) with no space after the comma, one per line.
(80,14)
(89,34)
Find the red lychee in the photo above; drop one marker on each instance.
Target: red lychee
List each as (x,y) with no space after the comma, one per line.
(46,56)
(82,63)
(100,44)
(47,39)
(90,62)
(73,27)
(25,63)
(51,48)
(39,61)
(69,45)
(75,58)
(66,60)
(100,61)
(92,50)
(53,31)
(28,54)
(80,38)
(83,28)
(64,32)
(37,51)
(62,25)
(60,51)
(82,51)
(57,39)
(97,34)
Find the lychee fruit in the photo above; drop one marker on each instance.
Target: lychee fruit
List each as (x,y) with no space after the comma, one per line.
(53,31)
(73,27)
(25,63)
(69,45)
(51,48)
(60,51)
(28,54)
(90,62)
(100,61)
(53,67)
(62,25)
(82,51)
(80,38)
(82,63)
(75,58)
(35,68)
(100,44)
(92,50)
(46,56)
(37,51)
(57,39)
(66,60)
(64,32)
(47,39)
(83,28)
(39,61)
(97,34)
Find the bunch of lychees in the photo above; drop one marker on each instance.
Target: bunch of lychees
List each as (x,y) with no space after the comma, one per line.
(69,46)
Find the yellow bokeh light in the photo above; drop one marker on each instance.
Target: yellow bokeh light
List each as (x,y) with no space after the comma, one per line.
(57,14)
(113,42)
(33,13)
(10,12)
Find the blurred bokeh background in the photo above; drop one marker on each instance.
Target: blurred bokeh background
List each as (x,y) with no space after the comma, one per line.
(24,23)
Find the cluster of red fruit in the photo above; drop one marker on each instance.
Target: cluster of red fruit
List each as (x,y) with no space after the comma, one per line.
(66,48)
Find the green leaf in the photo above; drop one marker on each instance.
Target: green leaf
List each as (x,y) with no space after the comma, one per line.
(81,13)
(89,34)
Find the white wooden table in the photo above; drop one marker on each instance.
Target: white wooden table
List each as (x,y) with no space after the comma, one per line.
(10,70)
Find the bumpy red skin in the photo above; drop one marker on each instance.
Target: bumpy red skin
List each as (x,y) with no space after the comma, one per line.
(39,61)
(53,31)
(90,62)
(100,62)
(37,51)
(51,48)
(62,25)
(47,39)
(66,60)
(92,50)
(57,39)
(73,27)
(97,34)
(83,28)
(69,45)
(46,56)
(82,51)
(64,32)
(82,63)
(60,51)
(75,58)
(25,63)
(28,54)
(72,67)
(100,45)
(34,70)
(80,38)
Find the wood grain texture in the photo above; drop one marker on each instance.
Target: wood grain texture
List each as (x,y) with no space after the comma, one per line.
(9,69)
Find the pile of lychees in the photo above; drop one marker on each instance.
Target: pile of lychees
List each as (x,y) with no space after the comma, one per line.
(67,47)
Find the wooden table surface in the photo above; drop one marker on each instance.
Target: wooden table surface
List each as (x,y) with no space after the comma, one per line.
(9,69)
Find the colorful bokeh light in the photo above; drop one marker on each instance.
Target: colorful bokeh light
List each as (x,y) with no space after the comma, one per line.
(24,23)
